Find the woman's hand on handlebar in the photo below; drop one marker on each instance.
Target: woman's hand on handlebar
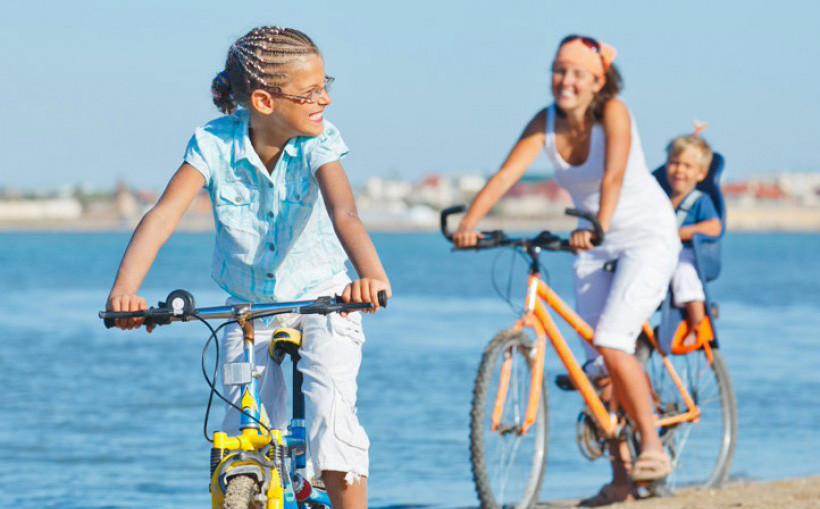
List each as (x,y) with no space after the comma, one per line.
(466,237)
(128,302)
(366,289)
(581,239)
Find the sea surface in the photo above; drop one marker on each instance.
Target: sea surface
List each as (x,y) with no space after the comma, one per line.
(104,418)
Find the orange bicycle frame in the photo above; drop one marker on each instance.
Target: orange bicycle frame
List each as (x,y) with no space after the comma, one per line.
(537,317)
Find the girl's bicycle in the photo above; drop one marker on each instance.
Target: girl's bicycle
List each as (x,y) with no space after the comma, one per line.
(691,390)
(262,467)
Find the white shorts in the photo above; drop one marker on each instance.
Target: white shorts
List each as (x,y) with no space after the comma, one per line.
(686,285)
(616,304)
(331,354)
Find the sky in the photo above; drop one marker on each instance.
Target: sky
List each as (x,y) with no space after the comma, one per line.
(97,91)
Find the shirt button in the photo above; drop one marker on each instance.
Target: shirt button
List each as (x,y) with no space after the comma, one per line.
(270,184)
(271,246)
(270,215)
(238,199)
(298,196)
(269,275)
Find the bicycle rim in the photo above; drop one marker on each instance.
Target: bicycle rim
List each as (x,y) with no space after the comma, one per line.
(701,450)
(508,466)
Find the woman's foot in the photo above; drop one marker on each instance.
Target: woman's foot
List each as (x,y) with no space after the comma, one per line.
(650,466)
(610,494)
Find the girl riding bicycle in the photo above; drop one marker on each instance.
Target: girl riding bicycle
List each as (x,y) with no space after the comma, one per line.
(592,140)
(286,222)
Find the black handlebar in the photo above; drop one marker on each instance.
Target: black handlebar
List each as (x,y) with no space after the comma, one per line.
(179,306)
(545,239)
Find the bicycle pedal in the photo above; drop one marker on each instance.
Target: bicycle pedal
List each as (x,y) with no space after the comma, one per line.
(564,383)
(654,488)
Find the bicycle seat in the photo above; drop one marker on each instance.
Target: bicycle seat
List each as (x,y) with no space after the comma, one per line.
(285,341)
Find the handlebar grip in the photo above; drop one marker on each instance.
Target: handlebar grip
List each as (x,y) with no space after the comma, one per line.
(449,211)
(382,298)
(150,316)
(596,225)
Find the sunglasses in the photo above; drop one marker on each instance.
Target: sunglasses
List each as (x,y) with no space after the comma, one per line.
(589,42)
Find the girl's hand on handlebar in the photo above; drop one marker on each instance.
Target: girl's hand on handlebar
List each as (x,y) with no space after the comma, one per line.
(464,237)
(581,239)
(365,289)
(128,302)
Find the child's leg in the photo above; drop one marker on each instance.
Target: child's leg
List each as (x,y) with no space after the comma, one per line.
(688,292)
(337,443)
(341,493)
(695,313)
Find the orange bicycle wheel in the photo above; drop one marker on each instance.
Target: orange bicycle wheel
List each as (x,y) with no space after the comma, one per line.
(701,450)
(508,465)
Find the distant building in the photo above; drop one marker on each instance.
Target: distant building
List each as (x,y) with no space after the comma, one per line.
(534,195)
(42,209)
(434,189)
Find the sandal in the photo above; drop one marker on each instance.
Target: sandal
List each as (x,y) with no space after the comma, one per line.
(609,494)
(650,466)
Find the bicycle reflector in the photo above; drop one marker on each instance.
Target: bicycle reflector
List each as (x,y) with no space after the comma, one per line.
(236,373)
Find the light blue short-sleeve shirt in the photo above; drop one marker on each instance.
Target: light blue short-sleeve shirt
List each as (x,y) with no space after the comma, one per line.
(274,238)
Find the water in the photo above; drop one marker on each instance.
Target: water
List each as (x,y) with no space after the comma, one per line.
(99,418)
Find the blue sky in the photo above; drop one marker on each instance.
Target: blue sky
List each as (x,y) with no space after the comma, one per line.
(94,91)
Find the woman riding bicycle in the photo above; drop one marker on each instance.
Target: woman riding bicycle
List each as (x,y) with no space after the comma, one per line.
(592,140)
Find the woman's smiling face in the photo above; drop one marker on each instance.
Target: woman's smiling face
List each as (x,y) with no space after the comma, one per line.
(573,87)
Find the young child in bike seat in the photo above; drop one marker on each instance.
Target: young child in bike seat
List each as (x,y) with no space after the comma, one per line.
(688,160)
(286,223)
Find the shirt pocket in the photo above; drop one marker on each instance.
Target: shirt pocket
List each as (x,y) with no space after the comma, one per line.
(235,208)
(349,327)
(300,197)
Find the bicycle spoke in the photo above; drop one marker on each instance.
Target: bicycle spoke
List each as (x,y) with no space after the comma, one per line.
(701,450)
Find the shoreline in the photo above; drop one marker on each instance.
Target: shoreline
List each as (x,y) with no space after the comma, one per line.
(506,224)
(740,218)
(799,492)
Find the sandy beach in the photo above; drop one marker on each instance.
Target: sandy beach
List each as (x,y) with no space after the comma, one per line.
(792,493)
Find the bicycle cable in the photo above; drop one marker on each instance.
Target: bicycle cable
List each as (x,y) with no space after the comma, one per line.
(212,385)
(213,337)
(508,296)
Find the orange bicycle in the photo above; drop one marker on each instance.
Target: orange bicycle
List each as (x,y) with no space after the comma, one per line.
(691,390)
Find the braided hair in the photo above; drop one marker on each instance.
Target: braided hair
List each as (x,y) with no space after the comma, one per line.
(258,59)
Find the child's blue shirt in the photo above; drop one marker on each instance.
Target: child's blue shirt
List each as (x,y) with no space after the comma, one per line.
(700,210)
(274,239)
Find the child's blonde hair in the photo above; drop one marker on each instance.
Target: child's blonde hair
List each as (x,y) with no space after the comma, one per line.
(681,143)
(257,60)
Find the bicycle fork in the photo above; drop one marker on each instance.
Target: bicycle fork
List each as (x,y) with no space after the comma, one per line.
(258,451)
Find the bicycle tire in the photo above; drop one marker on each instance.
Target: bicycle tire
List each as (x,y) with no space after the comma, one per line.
(701,451)
(241,493)
(491,470)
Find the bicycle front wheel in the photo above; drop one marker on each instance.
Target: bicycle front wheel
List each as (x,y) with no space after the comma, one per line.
(508,464)
(241,493)
(701,450)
